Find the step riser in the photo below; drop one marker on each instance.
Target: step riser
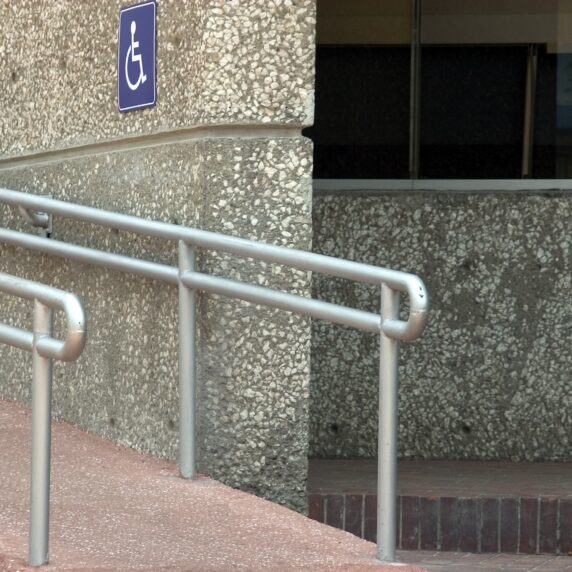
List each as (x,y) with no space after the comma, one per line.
(508,524)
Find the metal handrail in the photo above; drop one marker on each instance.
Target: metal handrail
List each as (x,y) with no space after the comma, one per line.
(388,325)
(44,348)
(301,260)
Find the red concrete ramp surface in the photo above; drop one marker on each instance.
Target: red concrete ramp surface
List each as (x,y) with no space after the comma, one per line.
(116,509)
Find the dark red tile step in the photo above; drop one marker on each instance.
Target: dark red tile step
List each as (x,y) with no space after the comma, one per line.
(529,525)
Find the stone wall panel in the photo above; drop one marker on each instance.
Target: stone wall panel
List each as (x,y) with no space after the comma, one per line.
(490,378)
(253,362)
(218,63)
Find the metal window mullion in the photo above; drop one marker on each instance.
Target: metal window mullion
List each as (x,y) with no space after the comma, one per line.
(529,109)
(415,89)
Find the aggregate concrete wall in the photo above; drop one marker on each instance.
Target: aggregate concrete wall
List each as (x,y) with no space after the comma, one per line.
(218,62)
(204,157)
(491,377)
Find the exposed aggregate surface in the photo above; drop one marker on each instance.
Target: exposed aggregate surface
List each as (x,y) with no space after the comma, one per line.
(219,62)
(237,65)
(253,362)
(491,376)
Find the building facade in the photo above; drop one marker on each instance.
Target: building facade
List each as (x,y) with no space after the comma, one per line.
(436,143)
(442,147)
(221,150)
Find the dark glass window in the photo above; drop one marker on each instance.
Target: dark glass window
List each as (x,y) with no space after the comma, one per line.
(362,109)
(490,97)
(472,112)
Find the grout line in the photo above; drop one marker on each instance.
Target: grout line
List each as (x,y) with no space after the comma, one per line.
(460,506)
(557,531)
(439,539)
(540,565)
(199,132)
(518,511)
(479,530)
(499,523)
(418,522)
(362,519)
(538,525)
(400,530)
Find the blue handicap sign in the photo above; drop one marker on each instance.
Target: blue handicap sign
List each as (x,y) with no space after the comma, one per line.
(136,85)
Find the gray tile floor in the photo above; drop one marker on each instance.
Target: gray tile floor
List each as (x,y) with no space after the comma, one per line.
(456,561)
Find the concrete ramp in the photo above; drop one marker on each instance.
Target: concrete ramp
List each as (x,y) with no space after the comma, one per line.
(116,509)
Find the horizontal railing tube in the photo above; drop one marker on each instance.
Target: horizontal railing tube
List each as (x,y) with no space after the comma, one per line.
(402,281)
(85,255)
(284,301)
(67,349)
(257,294)
(17,338)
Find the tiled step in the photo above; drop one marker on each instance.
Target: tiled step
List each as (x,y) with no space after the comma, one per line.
(511,525)
(453,505)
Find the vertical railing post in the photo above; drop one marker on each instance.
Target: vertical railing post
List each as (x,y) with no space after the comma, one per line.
(187,366)
(387,431)
(41,441)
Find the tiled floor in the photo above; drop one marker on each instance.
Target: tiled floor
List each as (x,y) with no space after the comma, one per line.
(455,561)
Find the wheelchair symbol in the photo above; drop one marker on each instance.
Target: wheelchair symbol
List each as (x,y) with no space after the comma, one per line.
(132,57)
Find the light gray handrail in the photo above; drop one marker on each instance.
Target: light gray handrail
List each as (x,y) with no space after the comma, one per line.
(388,325)
(48,347)
(44,348)
(397,280)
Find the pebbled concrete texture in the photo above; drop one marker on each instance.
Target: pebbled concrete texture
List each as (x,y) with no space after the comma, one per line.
(490,379)
(116,509)
(253,362)
(219,62)
(222,150)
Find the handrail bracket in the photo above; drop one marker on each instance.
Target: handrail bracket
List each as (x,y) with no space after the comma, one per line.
(38,219)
